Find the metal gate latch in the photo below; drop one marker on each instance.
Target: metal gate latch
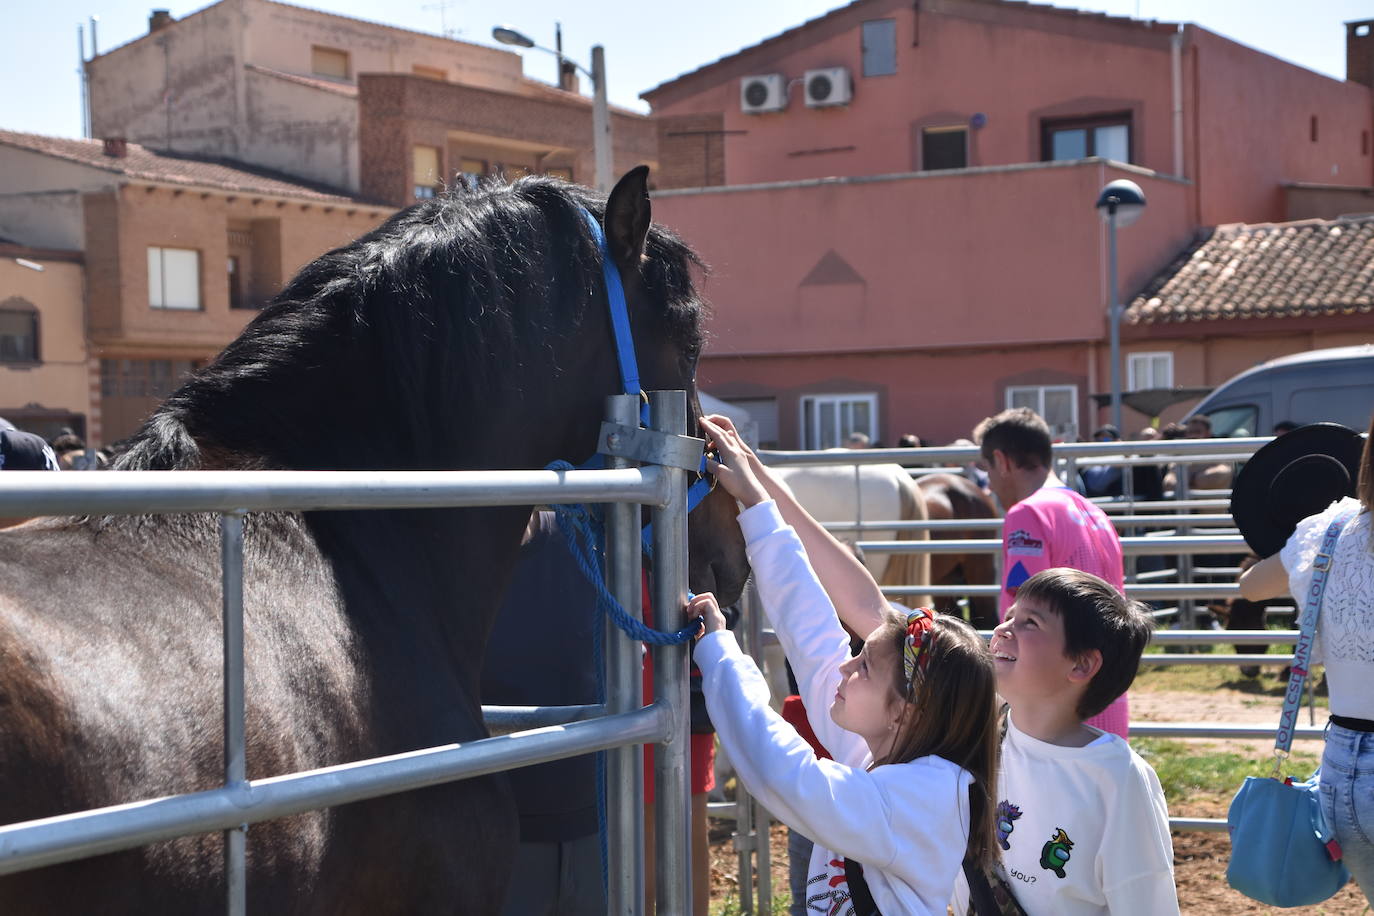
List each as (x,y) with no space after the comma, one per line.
(649,446)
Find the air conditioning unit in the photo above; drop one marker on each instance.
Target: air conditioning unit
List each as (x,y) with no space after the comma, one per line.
(760,94)
(827,87)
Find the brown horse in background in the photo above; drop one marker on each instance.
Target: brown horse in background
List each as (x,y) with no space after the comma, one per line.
(951,496)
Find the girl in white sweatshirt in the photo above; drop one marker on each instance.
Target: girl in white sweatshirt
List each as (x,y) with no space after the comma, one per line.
(910,721)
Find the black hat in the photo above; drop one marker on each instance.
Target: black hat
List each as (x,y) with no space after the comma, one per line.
(1296,475)
(1107,430)
(21,451)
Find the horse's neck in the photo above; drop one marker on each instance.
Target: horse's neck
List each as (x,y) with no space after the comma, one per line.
(423,585)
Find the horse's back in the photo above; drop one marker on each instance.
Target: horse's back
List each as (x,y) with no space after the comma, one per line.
(111,692)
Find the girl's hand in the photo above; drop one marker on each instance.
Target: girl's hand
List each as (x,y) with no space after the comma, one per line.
(707,608)
(735,469)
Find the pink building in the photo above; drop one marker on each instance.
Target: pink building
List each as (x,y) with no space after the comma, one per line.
(896,201)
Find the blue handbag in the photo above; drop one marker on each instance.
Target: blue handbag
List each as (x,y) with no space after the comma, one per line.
(1282,850)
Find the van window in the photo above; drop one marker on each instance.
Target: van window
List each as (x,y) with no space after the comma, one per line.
(1349,405)
(1227,420)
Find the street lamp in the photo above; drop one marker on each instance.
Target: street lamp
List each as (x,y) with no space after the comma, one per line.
(1120,204)
(601,115)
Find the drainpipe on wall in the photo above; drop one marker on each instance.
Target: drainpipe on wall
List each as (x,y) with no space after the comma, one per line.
(1176,76)
(1093,410)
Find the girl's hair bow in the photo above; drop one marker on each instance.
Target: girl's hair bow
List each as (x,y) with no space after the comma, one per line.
(920,632)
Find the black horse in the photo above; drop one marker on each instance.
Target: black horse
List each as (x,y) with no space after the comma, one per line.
(467,332)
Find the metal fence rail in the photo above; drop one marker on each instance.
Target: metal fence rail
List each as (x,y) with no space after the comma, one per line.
(241,801)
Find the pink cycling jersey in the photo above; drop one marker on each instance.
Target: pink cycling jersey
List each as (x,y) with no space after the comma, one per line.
(1055,526)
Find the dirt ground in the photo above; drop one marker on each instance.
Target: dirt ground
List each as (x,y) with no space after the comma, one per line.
(1199,858)
(1199,872)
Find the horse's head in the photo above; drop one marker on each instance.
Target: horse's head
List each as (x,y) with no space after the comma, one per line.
(667,316)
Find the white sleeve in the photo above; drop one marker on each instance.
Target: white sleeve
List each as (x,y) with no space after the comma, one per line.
(804,619)
(1137,853)
(866,815)
(1297,556)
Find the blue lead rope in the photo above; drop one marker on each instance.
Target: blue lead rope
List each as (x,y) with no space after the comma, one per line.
(579,528)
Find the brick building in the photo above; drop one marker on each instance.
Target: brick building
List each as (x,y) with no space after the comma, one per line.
(292,89)
(417,135)
(897,203)
(44,378)
(179,253)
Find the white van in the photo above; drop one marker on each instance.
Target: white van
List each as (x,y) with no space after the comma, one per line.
(1335,386)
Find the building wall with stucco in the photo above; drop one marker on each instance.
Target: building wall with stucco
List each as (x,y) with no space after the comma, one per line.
(842,262)
(53,390)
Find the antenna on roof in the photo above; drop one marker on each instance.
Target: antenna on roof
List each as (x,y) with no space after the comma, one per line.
(81,78)
(443,7)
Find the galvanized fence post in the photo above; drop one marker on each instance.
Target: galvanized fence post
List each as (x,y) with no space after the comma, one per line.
(760,824)
(235,770)
(672,787)
(624,692)
(1186,608)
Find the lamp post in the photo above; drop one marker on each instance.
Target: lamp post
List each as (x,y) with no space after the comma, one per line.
(1120,204)
(601,114)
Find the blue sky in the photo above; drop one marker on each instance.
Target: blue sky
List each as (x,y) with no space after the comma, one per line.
(646,43)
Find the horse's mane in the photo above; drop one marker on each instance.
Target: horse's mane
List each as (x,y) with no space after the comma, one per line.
(356,362)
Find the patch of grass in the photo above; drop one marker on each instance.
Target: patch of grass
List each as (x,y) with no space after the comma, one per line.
(1185,769)
(730,907)
(1212,678)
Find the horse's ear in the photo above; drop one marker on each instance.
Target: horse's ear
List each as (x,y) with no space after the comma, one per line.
(628,217)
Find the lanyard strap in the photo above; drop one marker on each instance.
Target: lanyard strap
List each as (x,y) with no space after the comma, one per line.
(620,312)
(1311,609)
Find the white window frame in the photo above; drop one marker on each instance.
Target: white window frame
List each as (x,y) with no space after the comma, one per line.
(1135,362)
(1069,433)
(813,403)
(186,299)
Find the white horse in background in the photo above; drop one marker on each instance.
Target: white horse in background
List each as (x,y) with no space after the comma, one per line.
(876,493)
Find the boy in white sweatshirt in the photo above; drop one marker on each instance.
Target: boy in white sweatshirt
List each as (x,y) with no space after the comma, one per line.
(1081,818)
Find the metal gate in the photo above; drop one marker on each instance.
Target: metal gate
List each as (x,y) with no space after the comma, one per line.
(619,727)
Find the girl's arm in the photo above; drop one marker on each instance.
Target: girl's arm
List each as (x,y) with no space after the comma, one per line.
(869,816)
(804,619)
(858,600)
(1266,579)
(793,599)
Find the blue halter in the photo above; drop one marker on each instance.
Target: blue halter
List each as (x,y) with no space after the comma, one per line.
(625,358)
(575,521)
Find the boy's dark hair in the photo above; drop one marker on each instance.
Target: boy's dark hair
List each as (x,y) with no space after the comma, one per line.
(1020,434)
(1096,616)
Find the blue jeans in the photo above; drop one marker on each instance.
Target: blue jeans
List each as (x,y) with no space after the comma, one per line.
(1347,787)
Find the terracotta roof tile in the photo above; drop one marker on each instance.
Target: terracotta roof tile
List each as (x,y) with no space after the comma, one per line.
(1313,267)
(143,164)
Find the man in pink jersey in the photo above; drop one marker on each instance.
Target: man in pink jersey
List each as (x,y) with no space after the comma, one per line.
(1047,524)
